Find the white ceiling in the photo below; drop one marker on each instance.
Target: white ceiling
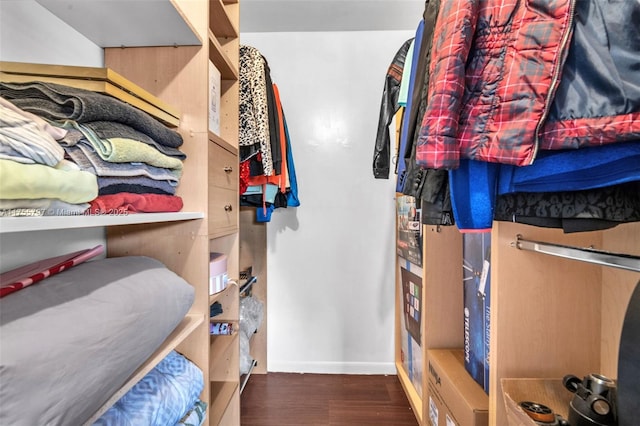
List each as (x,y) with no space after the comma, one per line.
(329,15)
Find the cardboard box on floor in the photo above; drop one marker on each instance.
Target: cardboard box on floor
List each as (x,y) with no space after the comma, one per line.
(455,399)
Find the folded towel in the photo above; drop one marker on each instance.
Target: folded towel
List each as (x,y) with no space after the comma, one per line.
(88,160)
(9,153)
(119,150)
(57,102)
(64,182)
(27,137)
(134,184)
(111,129)
(40,207)
(125,202)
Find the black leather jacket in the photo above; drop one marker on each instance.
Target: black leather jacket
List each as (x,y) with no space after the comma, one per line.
(389,106)
(429,185)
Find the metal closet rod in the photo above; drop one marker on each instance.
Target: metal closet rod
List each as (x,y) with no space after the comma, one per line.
(247,286)
(590,255)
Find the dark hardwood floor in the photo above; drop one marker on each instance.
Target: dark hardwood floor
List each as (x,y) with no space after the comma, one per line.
(278,399)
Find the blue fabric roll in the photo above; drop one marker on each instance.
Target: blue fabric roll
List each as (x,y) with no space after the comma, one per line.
(160,398)
(473,194)
(475,185)
(574,170)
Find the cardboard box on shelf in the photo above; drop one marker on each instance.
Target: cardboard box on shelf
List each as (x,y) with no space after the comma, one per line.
(455,399)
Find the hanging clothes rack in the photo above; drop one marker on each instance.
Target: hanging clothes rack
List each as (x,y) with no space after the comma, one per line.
(589,255)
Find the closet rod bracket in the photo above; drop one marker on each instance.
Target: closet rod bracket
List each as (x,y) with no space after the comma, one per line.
(589,254)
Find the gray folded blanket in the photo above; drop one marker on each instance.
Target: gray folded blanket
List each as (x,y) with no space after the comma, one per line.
(134,184)
(83,155)
(57,102)
(111,129)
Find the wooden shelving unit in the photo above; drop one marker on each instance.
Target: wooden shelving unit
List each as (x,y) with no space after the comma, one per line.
(441,300)
(550,316)
(178,240)
(162,66)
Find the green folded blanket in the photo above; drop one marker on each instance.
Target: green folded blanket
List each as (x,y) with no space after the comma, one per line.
(64,182)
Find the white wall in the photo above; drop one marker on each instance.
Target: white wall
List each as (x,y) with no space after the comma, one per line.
(331,261)
(30,33)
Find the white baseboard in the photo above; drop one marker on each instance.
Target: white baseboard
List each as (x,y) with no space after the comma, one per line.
(387,368)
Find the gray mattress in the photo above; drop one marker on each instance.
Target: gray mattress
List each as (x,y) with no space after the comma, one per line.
(69,342)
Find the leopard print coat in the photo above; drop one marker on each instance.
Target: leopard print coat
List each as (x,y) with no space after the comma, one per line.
(254,115)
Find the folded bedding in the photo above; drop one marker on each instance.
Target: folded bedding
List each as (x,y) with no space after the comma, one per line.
(88,160)
(125,202)
(64,182)
(40,207)
(58,102)
(122,150)
(111,129)
(134,184)
(160,398)
(72,340)
(29,136)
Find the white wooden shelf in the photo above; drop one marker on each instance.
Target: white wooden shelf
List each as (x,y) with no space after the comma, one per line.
(221,24)
(125,23)
(223,143)
(44,223)
(228,70)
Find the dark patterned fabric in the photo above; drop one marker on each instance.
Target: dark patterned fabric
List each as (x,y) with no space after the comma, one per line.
(573,210)
(274,126)
(253,106)
(487,99)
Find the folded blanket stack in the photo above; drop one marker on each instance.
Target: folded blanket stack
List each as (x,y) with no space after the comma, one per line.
(35,179)
(168,395)
(111,156)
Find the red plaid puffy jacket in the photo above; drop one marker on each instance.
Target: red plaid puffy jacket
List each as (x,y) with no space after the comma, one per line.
(510,77)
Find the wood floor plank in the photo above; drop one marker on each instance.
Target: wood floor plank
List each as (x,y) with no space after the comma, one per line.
(282,399)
